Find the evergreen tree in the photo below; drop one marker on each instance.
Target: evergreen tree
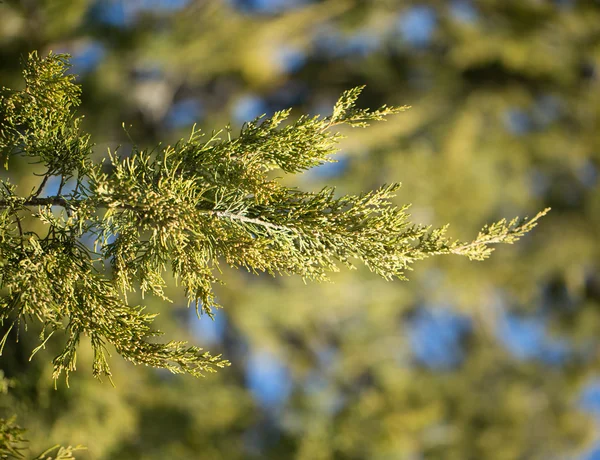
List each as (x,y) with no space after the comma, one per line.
(506,100)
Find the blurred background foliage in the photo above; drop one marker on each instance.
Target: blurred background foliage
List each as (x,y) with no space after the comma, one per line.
(467,360)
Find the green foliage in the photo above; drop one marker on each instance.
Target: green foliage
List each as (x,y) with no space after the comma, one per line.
(11,435)
(38,120)
(183,208)
(12,441)
(13,445)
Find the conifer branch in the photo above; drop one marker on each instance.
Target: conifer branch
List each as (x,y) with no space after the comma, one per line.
(182,209)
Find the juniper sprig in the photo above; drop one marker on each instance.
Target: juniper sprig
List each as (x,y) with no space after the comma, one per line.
(182,209)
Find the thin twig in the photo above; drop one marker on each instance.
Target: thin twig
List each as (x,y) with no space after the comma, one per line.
(465,247)
(18,220)
(41,187)
(60,187)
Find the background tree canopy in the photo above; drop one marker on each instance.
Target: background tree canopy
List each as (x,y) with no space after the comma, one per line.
(496,359)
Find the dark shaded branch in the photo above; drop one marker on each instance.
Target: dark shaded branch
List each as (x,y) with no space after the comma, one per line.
(35,201)
(59,201)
